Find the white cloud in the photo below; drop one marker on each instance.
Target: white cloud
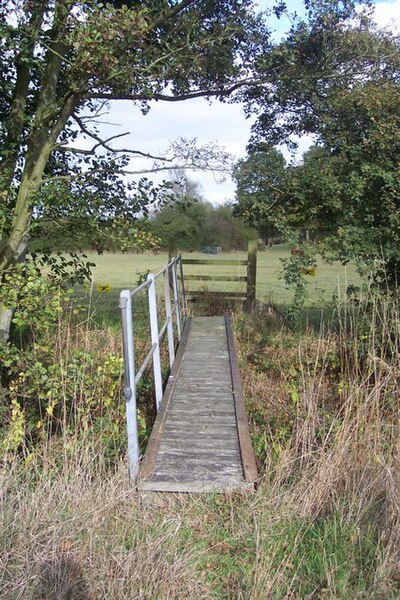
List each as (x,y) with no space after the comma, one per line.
(387,15)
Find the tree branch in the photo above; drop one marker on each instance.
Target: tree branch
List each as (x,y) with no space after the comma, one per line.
(104,144)
(173,11)
(224,92)
(181,97)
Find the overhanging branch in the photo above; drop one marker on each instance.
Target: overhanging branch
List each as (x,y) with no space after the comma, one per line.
(105,144)
(227,91)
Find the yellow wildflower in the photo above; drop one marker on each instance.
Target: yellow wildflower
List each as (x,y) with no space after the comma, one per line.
(104,288)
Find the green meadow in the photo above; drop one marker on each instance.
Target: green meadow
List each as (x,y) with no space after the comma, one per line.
(121,271)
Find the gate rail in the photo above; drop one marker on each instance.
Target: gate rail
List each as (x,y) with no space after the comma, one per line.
(172,273)
(248,294)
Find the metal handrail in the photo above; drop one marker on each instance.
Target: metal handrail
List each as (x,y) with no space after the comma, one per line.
(131,377)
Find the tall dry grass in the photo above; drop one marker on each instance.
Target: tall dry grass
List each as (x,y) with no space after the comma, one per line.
(78,532)
(330,405)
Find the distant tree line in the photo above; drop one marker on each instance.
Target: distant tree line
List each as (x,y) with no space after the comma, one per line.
(196,223)
(183,216)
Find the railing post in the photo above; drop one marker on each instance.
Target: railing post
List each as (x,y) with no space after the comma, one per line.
(251,273)
(125,305)
(168,314)
(176,300)
(155,339)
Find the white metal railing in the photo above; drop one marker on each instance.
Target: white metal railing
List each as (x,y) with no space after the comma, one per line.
(172,275)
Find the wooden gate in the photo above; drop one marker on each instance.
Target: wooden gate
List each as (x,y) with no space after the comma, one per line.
(247,276)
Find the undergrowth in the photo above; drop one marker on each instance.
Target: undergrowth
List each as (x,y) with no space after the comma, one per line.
(324,419)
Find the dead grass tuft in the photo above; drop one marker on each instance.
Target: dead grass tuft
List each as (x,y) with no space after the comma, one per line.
(77,534)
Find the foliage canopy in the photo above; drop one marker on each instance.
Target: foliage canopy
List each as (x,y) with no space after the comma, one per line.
(346,192)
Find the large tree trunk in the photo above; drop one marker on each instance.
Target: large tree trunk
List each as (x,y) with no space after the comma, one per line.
(13,248)
(51,117)
(14,124)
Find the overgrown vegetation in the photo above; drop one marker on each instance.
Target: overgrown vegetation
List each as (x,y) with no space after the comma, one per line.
(323,405)
(325,521)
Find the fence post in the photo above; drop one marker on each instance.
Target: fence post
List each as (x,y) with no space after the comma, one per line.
(125,305)
(155,339)
(251,273)
(172,252)
(168,314)
(172,249)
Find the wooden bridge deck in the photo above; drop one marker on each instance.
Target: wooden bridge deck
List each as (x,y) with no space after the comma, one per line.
(200,441)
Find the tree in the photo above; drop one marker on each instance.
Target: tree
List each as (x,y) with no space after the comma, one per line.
(181,219)
(61,61)
(261,187)
(346,93)
(223,229)
(193,223)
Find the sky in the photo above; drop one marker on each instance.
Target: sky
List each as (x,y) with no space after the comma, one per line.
(217,122)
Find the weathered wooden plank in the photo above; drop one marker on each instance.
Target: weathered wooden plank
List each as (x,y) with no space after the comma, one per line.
(210,261)
(198,441)
(206,397)
(194,487)
(196,447)
(185,417)
(172,469)
(184,428)
(193,453)
(198,293)
(196,474)
(246,449)
(148,462)
(201,277)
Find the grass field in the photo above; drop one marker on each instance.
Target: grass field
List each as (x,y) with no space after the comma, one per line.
(123,270)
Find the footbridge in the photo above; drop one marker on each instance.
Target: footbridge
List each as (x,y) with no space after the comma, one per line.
(200,440)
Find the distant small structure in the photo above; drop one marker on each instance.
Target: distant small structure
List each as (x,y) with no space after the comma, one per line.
(211,249)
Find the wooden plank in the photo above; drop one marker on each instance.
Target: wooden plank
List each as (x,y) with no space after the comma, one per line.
(195,486)
(246,449)
(194,453)
(216,261)
(199,466)
(201,277)
(198,445)
(195,293)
